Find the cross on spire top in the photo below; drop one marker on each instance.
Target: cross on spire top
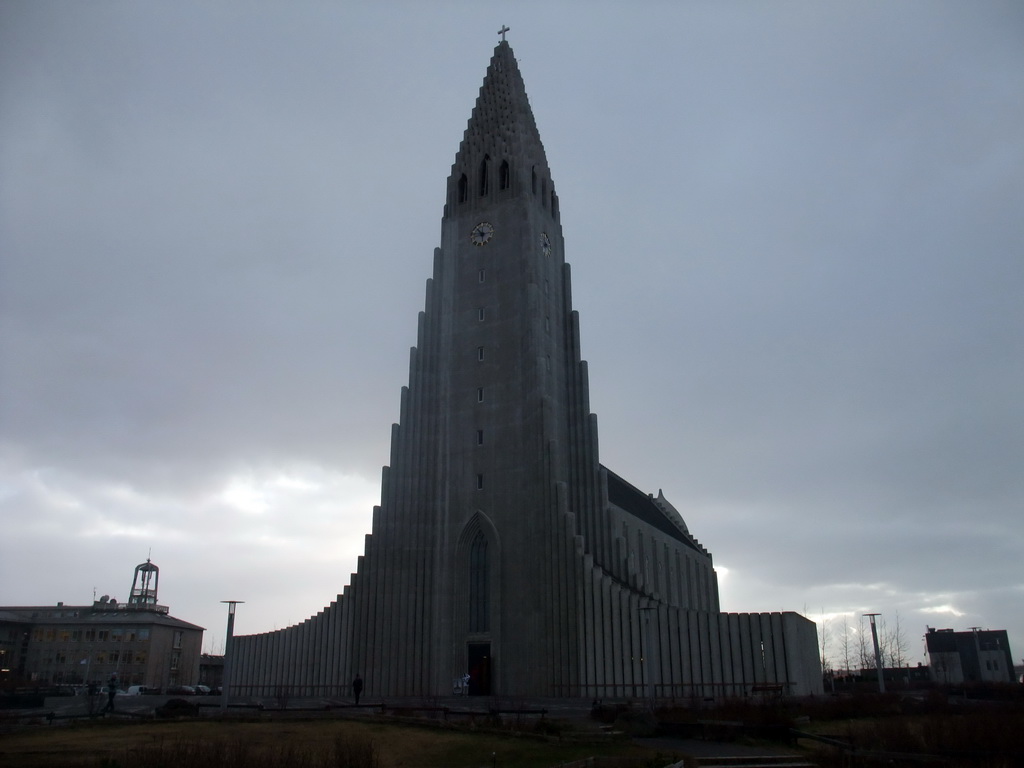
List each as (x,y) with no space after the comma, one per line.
(502,32)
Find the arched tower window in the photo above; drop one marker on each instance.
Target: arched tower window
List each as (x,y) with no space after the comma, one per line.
(479,585)
(483,174)
(463,188)
(504,176)
(533,181)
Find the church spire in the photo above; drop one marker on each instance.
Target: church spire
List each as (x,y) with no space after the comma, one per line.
(501,148)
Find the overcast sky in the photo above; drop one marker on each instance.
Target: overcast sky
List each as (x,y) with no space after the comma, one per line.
(797,239)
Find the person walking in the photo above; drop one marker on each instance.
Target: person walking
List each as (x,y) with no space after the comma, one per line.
(111,693)
(357,688)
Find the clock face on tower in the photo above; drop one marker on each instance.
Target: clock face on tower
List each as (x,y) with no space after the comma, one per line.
(545,244)
(481,233)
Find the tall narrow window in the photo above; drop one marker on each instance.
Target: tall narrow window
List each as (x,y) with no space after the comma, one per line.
(463,188)
(504,177)
(533,181)
(479,584)
(479,353)
(480,394)
(480,314)
(479,482)
(482,275)
(479,437)
(483,174)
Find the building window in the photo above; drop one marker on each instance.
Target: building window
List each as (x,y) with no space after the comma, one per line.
(480,314)
(479,437)
(480,394)
(482,275)
(504,177)
(102,635)
(479,353)
(177,639)
(479,592)
(463,188)
(483,174)
(479,482)
(175,660)
(547,323)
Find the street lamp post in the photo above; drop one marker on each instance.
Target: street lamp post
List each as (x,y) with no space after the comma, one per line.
(878,654)
(226,682)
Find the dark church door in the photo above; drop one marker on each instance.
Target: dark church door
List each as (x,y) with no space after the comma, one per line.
(479,669)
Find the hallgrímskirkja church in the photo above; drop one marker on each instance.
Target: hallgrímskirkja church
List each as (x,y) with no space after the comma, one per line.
(502,547)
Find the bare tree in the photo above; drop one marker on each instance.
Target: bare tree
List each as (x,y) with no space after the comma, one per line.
(897,644)
(864,650)
(845,645)
(823,637)
(884,642)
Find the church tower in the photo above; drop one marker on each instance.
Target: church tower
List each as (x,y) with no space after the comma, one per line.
(495,445)
(501,547)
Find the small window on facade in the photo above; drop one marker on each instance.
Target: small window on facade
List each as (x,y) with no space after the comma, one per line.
(483,175)
(177,639)
(547,323)
(504,177)
(533,181)
(479,353)
(479,482)
(479,437)
(480,395)
(463,188)
(482,275)
(480,314)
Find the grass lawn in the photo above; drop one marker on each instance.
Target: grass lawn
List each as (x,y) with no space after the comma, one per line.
(293,743)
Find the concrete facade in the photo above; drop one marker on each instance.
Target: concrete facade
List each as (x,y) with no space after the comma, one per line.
(77,644)
(502,548)
(977,656)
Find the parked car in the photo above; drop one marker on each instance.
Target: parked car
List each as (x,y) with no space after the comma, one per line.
(181,690)
(202,690)
(141,690)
